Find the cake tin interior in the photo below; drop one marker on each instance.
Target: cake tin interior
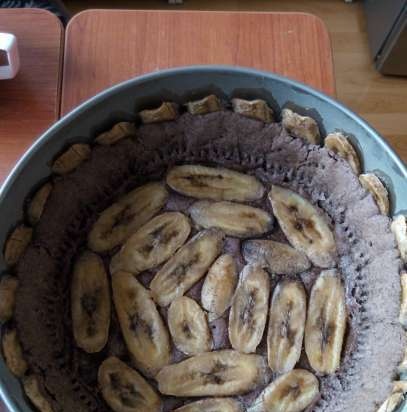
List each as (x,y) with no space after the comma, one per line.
(121,102)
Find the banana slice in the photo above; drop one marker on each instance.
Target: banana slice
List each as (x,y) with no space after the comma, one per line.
(292,392)
(124,389)
(222,373)
(403,305)
(188,326)
(219,286)
(208,104)
(257,109)
(16,244)
(233,219)
(167,111)
(303,226)
(143,329)
(90,303)
(303,127)
(153,243)
(326,323)
(400,386)
(373,184)
(118,132)
(116,223)
(341,145)
(286,326)
(8,288)
(392,403)
(35,394)
(399,229)
(248,313)
(204,182)
(37,204)
(277,257)
(71,158)
(187,266)
(212,405)
(13,353)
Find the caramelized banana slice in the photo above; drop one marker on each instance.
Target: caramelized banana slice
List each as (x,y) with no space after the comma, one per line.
(167,111)
(233,219)
(303,226)
(219,286)
(278,257)
(248,313)
(37,204)
(16,244)
(257,109)
(118,132)
(90,303)
(212,183)
(292,392)
(124,389)
(8,288)
(341,145)
(303,127)
(71,158)
(116,223)
(213,405)
(373,184)
(222,373)
(13,353)
(326,323)
(286,326)
(143,329)
(36,394)
(403,305)
(188,326)
(186,267)
(208,104)
(399,229)
(153,243)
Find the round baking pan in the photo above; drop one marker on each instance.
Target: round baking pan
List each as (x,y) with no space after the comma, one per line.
(121,102)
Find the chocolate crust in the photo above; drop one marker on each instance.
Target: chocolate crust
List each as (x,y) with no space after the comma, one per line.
(368,258)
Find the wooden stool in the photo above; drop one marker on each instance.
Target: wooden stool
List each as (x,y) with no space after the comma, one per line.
(104,47)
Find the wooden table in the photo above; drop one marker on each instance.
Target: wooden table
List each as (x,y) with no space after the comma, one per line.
(104,47)
(29,103)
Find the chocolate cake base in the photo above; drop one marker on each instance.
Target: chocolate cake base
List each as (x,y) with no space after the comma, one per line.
(368,258)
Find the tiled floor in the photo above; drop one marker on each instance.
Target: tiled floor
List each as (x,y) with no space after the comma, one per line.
(380,100)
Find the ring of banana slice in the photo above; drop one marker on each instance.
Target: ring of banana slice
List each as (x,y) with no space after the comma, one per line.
(171,280)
